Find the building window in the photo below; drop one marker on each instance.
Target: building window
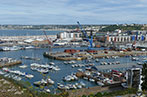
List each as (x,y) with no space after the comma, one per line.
(111,39)
(80,35)
(76,35)
(121,39)
(124,39)
(69,35)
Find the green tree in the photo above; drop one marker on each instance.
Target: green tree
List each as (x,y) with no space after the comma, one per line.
(91,95)
(84,96)
(112,28)
(99,94)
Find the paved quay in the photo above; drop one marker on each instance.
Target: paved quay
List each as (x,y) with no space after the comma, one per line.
(25,40)
(21,38)
(115,66)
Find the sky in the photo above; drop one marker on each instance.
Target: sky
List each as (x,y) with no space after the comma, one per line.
(70,11)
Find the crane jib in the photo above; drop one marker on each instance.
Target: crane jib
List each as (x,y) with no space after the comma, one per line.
(86,36)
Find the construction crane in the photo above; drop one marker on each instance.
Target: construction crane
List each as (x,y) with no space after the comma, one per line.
(86,36)
(48,40)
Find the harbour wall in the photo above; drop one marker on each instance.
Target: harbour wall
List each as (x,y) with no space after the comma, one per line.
(94,90)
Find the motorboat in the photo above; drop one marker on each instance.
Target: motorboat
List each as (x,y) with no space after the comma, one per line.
(29,47)
(47,90)
(92,80)
(23,66)
(29,75)
(43,70)
(43,82)
(56,68)
(100,83)
(6,48)
(71,77)
(14,48)
(50,81)
(135,59)
(17,78)
(30,58)
(96,60)
(37,83)
(82,84)
(2,73)
(52,63)
(85,78)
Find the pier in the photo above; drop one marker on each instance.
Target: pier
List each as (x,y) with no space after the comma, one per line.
(10,64)
(100,54)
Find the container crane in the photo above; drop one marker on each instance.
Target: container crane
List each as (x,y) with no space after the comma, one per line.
(86,36)
(48,40)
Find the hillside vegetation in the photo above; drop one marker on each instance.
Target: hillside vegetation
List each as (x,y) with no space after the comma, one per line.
(111,28)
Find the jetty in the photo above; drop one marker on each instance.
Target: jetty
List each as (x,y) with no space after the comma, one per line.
(10,64)
(5,62)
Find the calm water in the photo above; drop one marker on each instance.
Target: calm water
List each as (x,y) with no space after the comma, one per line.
(56,75)
(26,32)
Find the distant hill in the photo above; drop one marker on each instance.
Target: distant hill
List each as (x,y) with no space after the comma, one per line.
(46,27)
(111,28)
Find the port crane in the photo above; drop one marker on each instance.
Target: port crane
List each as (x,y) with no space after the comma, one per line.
(48,40)
(86,36)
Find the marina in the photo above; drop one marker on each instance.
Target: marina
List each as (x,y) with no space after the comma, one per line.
(63,73)
(73,48)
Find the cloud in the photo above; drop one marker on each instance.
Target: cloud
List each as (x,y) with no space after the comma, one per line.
(69,11)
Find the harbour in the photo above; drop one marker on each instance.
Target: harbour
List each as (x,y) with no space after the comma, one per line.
(67,67)
(71,48)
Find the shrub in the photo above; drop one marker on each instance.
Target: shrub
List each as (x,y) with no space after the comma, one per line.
(99,94)
(84,96)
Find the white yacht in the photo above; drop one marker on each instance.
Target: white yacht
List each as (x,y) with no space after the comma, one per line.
(6,48)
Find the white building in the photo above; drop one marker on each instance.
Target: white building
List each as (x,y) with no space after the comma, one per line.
(133,77)
(72,35)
